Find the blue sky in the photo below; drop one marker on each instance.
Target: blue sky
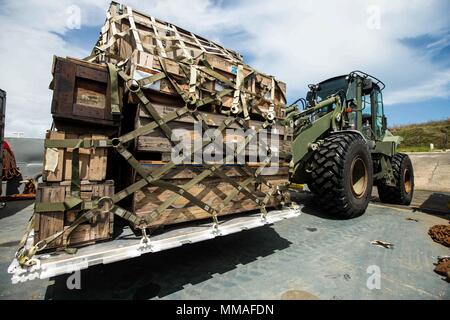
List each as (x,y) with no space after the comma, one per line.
(404,43)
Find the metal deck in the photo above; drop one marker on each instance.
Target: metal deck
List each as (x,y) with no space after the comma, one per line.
(313,255)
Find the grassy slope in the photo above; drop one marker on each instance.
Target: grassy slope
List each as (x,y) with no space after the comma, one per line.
(417,137)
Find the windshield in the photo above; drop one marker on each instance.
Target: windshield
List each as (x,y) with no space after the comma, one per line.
(330,87)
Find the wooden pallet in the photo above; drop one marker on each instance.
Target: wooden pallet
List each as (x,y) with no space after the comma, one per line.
(49,223)
(92,162)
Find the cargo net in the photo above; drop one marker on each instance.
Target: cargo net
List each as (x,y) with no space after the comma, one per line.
(187,81)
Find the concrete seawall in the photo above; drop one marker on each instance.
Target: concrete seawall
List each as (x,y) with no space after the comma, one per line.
(431,170)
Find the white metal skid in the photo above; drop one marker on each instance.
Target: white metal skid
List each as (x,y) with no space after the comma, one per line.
(124,247)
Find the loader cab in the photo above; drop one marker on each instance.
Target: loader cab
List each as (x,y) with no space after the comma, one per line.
(362,94)
(373,119)
(367,95)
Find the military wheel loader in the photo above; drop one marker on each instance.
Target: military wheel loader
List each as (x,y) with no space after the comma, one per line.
(342,147)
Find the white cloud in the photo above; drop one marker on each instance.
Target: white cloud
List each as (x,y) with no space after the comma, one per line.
(437,86)
(300,42)
(26,62)
(28,43)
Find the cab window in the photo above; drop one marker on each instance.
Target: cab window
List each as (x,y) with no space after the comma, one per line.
(377,114)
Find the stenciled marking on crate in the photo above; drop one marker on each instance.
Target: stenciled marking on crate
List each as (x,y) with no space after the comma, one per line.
(225,146)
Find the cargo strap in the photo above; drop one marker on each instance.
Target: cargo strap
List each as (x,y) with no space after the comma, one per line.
(151,79)
(69,203)
(244,184)
(172,82)
(150,127)
(25,256)
(237,92)
(153,177)
(114,83)
(147,104)
(77,143)
(75,179)
(213,169)
(112,41)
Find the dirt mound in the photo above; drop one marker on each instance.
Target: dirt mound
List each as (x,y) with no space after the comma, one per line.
(440,234)
(443,268)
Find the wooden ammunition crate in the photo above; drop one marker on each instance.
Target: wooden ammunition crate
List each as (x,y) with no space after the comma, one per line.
(49,223)
(211,190)
(92,162)
(158,142)
(81,92)
(258,86)
(150,46)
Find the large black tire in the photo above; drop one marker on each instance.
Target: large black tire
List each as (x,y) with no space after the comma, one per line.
(403,191)
(342,175)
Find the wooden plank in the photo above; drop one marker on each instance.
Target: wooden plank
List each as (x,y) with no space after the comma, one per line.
(100,227)
(97,161)
(163,145)
(64,86)
(49,223)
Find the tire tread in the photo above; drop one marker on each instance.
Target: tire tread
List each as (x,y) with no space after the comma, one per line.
(328,176)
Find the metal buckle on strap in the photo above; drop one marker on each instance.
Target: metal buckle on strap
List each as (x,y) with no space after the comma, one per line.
(133,85)
(105,204)
(145,241)
(25,257)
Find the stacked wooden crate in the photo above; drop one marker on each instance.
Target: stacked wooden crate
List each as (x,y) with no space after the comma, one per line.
(81,110)
(81,97)
(149,46)
(188,71)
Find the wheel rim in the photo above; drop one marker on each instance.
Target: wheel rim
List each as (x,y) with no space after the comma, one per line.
(358,177)
(407,183)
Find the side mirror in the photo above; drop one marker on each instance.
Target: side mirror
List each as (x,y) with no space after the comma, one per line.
(384,123)
(367,84)
(309,96)
(351,91)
